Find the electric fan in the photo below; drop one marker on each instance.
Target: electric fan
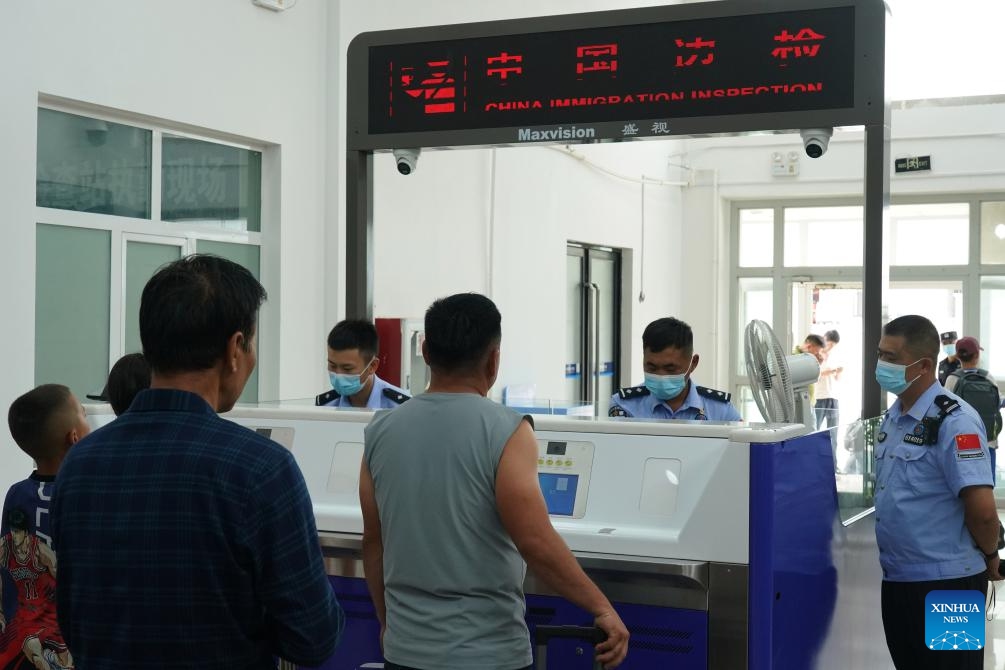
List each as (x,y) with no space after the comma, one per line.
(780,383)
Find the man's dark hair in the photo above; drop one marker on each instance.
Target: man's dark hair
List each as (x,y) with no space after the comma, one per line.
(355,334)
(190,308)
(39,419)
(668,332)
(832,336)
(129,376)
(460,329)
(920,335)
(813,338)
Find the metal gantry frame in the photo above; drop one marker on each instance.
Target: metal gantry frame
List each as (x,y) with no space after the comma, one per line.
(868,107)
(871,110)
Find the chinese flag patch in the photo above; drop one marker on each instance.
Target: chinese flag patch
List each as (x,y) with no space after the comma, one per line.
(968,442)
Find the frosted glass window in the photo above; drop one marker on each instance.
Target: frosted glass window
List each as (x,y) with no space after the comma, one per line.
(143,259)
(993,233)
(72,289)
(91,165)
(823,236)
(757,238)
(249,256)
(213,184)
(929,234)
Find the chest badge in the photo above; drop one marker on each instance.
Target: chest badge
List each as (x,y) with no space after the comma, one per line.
(918,435)
(881,436)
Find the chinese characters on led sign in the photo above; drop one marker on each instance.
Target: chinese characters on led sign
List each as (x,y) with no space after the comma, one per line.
(733,65)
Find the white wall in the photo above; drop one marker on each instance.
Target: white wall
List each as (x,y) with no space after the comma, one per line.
(224,66)
(965,140)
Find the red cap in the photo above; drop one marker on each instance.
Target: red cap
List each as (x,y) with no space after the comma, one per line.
(968,346)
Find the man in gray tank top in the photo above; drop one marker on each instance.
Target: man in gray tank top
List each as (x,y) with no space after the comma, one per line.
(452,508)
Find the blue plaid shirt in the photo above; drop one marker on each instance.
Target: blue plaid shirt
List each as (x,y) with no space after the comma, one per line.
(187,541)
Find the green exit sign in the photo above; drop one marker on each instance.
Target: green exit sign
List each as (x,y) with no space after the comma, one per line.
(913,164)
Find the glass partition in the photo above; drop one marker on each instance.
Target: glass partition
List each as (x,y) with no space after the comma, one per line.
(855,467)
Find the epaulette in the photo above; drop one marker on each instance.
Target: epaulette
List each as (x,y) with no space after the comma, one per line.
(395,396)
(326,397)
(633,392)
(946,404)
(932,424)
(712,394)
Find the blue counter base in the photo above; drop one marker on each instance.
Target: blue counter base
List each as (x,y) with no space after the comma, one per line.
(661,637)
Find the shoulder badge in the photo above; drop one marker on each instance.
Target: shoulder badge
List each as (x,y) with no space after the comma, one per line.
(618,410)
(712,394)
(633,392)
(395,396)
(946,404)
(326,397)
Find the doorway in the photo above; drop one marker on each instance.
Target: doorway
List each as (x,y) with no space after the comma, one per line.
(593,338)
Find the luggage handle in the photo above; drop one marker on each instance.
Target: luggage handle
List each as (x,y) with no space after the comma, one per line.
(542,634)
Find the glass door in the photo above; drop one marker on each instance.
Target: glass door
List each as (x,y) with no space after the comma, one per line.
(593,290)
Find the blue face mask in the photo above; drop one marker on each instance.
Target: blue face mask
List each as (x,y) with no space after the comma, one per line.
(346,384)
(949,349)
(892,377)
(666,387)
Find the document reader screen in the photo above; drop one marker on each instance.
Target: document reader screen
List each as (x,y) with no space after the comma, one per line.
(559,492)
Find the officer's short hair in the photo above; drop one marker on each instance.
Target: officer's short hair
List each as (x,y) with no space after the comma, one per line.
(668,332)
(832,336)
(921,338)
(460,330)
(813,338)
(355,334)
(40,419)
(192,307)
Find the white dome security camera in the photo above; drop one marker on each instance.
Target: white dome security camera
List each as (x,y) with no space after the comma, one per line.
(815,141)
(407,160)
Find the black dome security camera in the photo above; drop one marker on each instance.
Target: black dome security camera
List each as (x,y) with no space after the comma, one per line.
(815,141)
(407,160)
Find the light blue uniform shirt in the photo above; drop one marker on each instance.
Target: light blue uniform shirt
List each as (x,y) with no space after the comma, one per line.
(700,404)
(382,396)
(920,525)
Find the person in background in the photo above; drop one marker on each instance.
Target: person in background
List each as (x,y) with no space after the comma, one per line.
(447,578)
(129,376)
(950,363)
(936,521)
(186,540)
(813,345)
(353,347)
(669,361)
(979,388)
(45,423)
(826,403)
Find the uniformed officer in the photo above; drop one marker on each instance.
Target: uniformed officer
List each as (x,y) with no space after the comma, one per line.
(950,363)
(936,522)
(668,360)
(352,369)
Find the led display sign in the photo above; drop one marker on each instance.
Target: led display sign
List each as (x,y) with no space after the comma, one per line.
(555,85)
